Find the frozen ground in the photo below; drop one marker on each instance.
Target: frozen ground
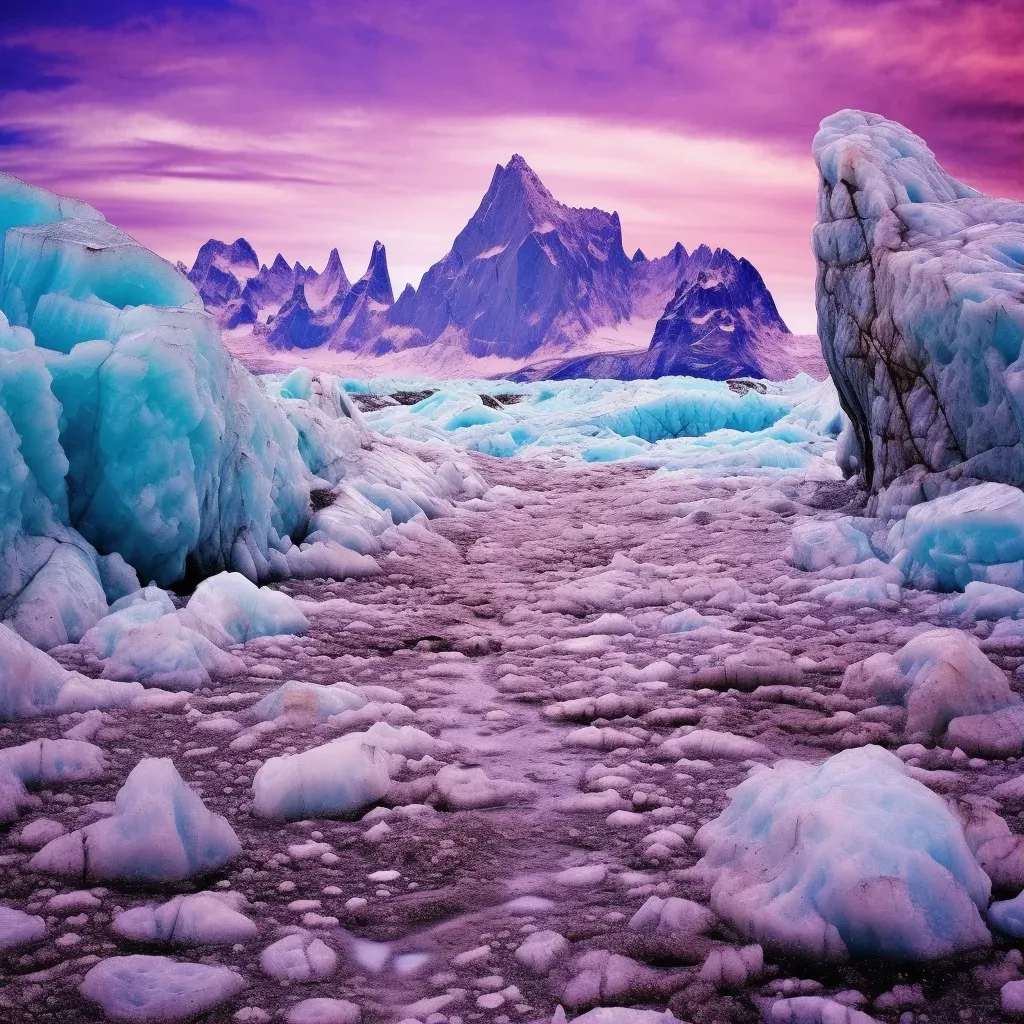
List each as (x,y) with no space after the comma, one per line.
(597,654)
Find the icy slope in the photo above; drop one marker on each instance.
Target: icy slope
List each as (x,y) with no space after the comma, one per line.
(920,295)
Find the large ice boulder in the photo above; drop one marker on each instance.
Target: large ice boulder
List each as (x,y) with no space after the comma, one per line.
(938,677)
(851,857)
(201,919)
(340,777)
(920,297)
(160,831)
(153,989)
(243,610)
(132,445)
(169,654)
(170,450)
(32,683)
(976,534)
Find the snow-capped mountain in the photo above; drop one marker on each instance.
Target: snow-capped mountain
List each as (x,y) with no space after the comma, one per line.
(528,282)
(721,323)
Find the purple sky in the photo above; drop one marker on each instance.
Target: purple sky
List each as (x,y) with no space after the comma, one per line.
(310,123)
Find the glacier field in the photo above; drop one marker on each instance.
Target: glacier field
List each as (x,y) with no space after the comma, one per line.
(478,702)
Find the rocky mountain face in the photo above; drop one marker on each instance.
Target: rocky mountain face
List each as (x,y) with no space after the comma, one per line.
(527,279)
(920,297)
(716,325)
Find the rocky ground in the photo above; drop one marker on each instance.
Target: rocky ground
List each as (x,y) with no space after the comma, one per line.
(527,634)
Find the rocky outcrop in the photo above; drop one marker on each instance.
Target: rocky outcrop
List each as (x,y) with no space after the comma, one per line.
(920,299)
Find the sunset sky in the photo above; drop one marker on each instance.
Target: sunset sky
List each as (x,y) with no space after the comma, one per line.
(308,124)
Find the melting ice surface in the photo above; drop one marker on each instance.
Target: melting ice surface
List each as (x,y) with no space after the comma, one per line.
(680,423)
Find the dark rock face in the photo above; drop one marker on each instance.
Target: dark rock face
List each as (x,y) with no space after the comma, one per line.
(920,298)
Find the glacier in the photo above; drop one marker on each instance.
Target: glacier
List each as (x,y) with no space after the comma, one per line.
(133,447)
(920,298)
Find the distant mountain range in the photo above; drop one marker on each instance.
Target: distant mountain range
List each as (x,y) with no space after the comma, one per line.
(527,282)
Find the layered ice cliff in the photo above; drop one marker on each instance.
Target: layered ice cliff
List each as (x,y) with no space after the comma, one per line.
(132,445)
(920,296)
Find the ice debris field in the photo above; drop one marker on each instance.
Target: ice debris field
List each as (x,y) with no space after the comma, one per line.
(679,423)
(333,701)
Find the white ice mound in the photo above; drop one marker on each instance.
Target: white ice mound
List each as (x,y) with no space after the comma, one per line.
(169,654)
(18,928)
(336,778)
(243,610)
(203,919)
(920,298)
(299,957)
(851,857)
(307,701)
(138,609)
(974,534)
(938,677)
(32,683)
(160,832)
(152,989)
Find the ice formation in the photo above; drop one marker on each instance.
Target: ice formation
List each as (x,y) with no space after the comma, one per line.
(132,446)
(202,919)
(851,857)
(147,989)
(18,928)
(32,683)
(242,610)
(920,297)
(938,677)
(336,778)
(160,831)
(680,423)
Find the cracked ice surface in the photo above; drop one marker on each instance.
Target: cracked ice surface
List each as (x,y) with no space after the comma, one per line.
(554,687)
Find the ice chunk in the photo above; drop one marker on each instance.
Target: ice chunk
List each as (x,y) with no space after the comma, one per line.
(336,778)
(299,957)
(541,949)
(146,989)
(851,857)
(160,831)
(463,789)
(32,683)
(18,928)
(672,916)
(168,654)
(814,1010)
(986,601)
(54,761)
(708,743)
(203,919)
(938,676)
(974,534)
(245,611)
(324,1011)
(138,609)
(815,545)
(306,701)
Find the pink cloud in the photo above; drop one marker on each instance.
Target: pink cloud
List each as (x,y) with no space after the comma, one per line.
(308,125)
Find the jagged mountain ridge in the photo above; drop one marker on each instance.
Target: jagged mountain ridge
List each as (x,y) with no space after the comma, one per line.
(716,325)
(527,279)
